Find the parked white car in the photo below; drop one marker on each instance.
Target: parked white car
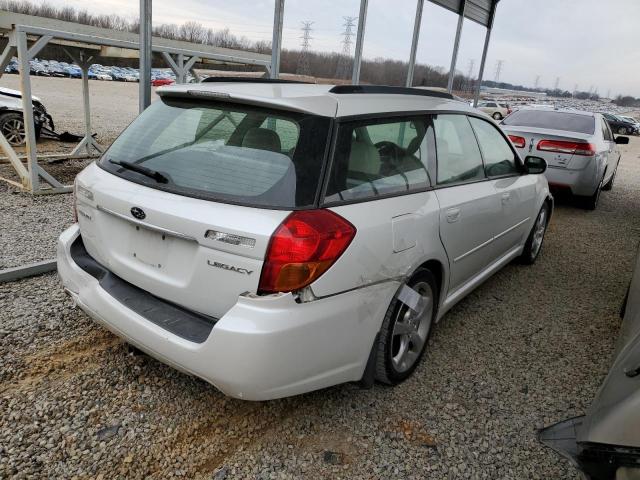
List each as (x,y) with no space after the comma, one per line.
(277,238)
(494,109)
(579,147)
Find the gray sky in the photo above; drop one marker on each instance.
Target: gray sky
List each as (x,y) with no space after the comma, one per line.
(584,42)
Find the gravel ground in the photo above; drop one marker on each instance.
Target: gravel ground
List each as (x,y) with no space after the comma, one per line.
(528,348)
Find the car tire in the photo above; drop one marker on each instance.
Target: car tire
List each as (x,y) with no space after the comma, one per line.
(497,116)
(609,185)
(533,245)
(12,127)
(591,203)
(404,333)
(622,131)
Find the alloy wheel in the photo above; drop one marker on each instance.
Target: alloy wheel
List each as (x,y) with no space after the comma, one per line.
(538,232)
(13,131)
(411,329)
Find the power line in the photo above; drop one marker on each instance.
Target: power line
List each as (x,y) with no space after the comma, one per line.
(470,78)
(303,60)
(344,63)
(499,65)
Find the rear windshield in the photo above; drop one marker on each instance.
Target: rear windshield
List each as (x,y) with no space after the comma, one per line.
(225,152)
(567,122)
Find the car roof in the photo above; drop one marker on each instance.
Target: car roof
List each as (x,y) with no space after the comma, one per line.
(314,99)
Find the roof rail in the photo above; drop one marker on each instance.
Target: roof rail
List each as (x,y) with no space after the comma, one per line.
(247,80)
(348,89)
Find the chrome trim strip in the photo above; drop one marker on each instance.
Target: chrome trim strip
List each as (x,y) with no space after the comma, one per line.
(484,244)
(511,228)
(473,250)
(146,225)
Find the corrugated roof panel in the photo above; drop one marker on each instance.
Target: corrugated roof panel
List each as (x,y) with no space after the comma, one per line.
(477,10)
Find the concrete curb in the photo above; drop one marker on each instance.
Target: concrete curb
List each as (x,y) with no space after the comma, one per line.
(29,270)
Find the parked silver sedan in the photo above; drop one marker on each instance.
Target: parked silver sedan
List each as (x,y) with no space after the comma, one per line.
(580,150)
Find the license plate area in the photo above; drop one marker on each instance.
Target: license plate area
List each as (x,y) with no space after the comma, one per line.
(149,247)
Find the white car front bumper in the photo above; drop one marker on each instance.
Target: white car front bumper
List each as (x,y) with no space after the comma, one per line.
(262,348)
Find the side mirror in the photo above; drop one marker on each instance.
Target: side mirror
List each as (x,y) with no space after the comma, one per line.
(535,165)
(622,140)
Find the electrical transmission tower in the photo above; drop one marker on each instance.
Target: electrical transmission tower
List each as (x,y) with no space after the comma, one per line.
(344,63)
(303,60)
(557,84)
(499,64)
(472,63)
(609,93)
(575,88)
(536,84)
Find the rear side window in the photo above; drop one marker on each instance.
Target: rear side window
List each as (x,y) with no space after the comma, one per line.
(498,157)
(224,152)
(379,157)
(459,158)
(552,120)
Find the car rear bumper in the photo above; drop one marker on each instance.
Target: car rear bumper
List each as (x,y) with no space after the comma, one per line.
(262,348)
(579,182)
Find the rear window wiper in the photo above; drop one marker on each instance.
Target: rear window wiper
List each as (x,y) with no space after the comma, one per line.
(157,176)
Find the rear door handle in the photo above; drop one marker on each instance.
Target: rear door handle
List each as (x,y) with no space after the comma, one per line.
(453,215)
(505,197)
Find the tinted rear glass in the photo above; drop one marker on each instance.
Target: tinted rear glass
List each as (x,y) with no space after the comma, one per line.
(567,122)
(224,152)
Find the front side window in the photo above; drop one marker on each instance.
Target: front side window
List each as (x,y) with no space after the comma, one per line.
(498,157)
(224,152)
(459,158)
(378,157)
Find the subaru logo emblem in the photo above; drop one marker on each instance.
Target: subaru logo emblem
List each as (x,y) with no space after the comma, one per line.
(138,213)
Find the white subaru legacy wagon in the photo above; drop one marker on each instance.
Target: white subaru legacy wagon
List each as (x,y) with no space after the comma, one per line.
(275,238)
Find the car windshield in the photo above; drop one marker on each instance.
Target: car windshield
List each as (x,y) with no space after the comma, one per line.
(552,120)
(222,151)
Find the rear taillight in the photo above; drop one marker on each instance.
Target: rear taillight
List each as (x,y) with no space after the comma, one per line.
(571,148)
(302,248)
(519,142)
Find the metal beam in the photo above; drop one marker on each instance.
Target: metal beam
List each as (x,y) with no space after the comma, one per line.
(485,48)
(414,43)
(357,59)
(5,57)
(39,45)
(276,42)
(456,46)
(37,268)
(27,113)
(145,55)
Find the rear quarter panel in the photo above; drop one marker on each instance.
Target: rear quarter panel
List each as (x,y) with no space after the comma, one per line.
(408,224)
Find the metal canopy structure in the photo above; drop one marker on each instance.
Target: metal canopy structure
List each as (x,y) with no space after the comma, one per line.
(479,11)
(28,35)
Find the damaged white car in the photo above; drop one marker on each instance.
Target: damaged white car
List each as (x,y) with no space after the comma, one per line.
(275,238)
(12,121)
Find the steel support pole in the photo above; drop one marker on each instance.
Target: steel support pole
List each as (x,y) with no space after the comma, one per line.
(456,46)
(487,39)
(414,43)
(27,109)
(276,42)
(357,59)
(145,54)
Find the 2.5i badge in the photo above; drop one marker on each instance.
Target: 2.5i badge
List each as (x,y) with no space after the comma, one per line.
(224,266)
